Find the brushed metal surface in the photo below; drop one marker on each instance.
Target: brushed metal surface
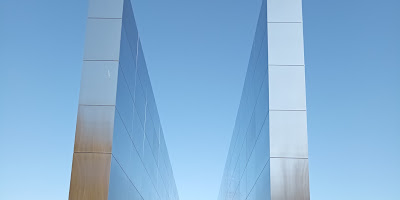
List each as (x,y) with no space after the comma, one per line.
(105,8)
(287,88)
(289,179)
(284,11)
(116,109)
(94,129)
(277,75)
(285,44)
(98,83)
(90,176)
(288,134)
(102,40)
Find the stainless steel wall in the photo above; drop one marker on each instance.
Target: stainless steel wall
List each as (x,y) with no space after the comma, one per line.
(120,151)
(268,155)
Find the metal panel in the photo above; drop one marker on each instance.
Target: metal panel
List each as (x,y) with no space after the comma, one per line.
(284,11)
(90,176)
(124,102)
(140,101)
(127,62)
(285,44)
(288,134)
(137,130)
(260,35)
(94,129)
(262,187)
(98,83)
(128,22)
(261,68)
(103,38)
(283,137)
(287,90)
(105,8)
(126,154)
(111,101)
(121,187)
(262,106)
(289,179)
(142,71)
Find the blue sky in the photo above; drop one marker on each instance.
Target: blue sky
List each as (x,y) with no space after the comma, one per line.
(197,54)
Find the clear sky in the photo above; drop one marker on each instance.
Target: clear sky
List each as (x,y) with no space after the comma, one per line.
(197,54)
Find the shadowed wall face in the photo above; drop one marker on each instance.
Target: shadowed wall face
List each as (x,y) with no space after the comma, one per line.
(268,155)
(120,151)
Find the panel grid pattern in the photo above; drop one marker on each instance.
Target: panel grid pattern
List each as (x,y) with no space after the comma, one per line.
(246,174)
(120,151)
(139,151)
(268,155)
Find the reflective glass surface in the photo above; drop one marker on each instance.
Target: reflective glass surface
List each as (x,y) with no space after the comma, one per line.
(120,152)
(140,166)
(246,174)
(268,153)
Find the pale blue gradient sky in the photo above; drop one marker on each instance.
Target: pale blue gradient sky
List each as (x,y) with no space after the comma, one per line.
(197,54)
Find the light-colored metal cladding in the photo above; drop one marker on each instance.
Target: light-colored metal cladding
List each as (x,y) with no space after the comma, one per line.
(271,124)
(287,95)
(90,175)
(120,151)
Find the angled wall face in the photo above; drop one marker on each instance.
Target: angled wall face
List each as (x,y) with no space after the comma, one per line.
(120,151)
(268,155)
